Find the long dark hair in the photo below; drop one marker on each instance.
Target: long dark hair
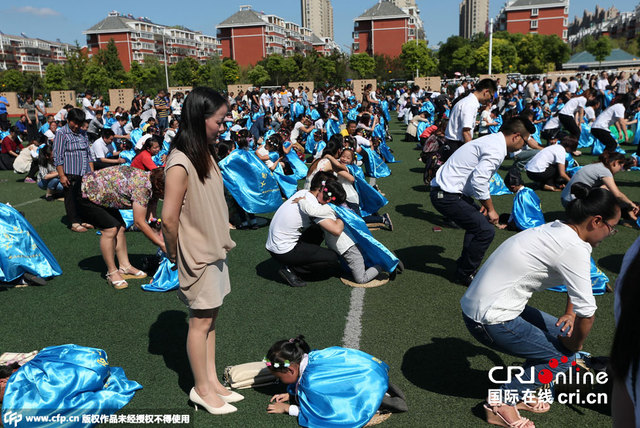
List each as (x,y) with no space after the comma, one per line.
(200,104)
(286,352)
(625,352)
(591,202)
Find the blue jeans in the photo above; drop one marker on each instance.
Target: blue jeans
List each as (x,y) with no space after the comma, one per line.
(52,184)
(533,335)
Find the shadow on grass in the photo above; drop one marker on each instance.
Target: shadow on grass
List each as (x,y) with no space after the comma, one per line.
(96,263)
(168,337)
(417,211)
(612,262)
(417,259)
(443,367)
(418,169)
(268,269)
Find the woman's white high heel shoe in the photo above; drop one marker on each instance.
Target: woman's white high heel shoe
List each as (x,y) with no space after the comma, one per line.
(234,397)
(198,401)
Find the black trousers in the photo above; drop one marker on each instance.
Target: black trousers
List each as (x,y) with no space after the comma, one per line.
(448,148)
(605,137)
(549,176)
(72,195)
(308,257)
(466,214)
(569,123)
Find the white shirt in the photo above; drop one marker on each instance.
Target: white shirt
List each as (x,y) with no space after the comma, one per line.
(533,260)
(459,91)
(573,105)
(100,149)
(288,223)
(573,86)
(470,168)
(463,115)
(552,123)
(562,87)
(142,140)
(545,157)
(589,113)
(60,115)
(295,132)
(86,103)
(609,117)
(50,135)
(265,99)
(341,243)
(602,84)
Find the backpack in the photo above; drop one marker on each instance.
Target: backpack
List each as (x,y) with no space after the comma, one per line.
(432,157)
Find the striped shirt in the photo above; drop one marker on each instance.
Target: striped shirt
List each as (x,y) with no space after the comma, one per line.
(163,111)
(72,151)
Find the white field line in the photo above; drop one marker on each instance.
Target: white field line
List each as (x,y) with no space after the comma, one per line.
(26,203)
(353,328)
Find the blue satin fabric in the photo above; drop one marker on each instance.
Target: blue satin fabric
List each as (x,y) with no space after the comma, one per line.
(379,131)
(598,148)
(374,164)
(127,216)
(374,252)
(250,182)
(135,135)
(636,136)
(340,387)
(586,138)
(157,159)
(494,129)
(128,156)
(370,199)
(599,281)
(526,212)
(164,279)
(297,110)
(313,113)
(67,380)
(288,183)
(497,186)
(311,145)
(572,165)
(384,106)
(385,151)
(333,127)
(299,168)
(420,127)
(352,114)
(21,248)
(608,97)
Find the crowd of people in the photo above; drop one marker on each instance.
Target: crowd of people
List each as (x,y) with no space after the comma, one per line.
(218,161)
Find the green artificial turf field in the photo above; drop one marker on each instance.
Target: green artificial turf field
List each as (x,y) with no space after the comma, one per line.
(414,324)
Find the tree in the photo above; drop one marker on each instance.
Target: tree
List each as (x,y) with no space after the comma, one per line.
(275,66)
(531,54)
(97,79)
(55,78)
(555,51)
(258,76)
(462,59)
(12,80)
(210,74)
(74,68)
(230,71)
(110,60)
(185,72)
(600,49)
(418,56)
(505,57)
(363,65)
(446,51)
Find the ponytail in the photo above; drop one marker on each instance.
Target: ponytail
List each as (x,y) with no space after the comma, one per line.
(285,352)
(591,202)
(607,158)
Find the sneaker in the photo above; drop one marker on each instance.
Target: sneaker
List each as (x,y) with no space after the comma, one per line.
(463,279)
(29,180)
(291,278)
(387,221)
(32,279)
(382,276)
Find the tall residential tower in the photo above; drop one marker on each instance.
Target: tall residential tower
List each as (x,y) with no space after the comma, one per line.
(317,15)
(474,17)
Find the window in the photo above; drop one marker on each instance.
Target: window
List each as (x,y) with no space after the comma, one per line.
(566,10)
(534,23)
(534,11)
(356,46)
(356,35)
(564,34)
(565,22)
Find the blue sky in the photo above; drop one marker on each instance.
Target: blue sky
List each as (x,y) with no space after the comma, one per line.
(66,20)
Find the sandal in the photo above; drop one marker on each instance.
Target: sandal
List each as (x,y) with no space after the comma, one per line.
(118,285)
(537,407)
(495,418)
(77,227)
(124,272)
(87,225)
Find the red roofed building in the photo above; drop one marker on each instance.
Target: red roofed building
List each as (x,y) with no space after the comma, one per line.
(384,28)
(535,16)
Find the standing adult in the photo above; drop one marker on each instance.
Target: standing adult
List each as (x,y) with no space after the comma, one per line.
(495,307)
(41,109)
(613,115)
(466,175)
(87,107)
(4,103)
(73,159)
(462,119)
(195,224)
(162,110)
(573,111)
(31,114)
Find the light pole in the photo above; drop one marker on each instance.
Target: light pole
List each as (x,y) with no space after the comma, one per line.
(490,44)
(166,68)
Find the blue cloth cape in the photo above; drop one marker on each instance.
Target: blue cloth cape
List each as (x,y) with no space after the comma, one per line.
(288,183)
(250,182)
(497,186)
(157,159)
(21,248)
(586,138)
(297,110)
(526,212)
(374,252)
(572,165)
(164,279)
(340,387)
(370,199)
(299,168)
(494,129)
(420,127)
(311,145)
(385,151)
(128,156)
(374,164)
(67,380)
(127,216)
(384,106)
(135,135)
(333,127)
(599,281)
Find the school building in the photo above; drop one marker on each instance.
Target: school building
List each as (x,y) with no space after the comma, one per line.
(28,54)
(535,16)
(138,39)
(384,28)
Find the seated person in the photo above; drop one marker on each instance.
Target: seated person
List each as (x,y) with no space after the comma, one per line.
(11,146)
(144,159)
(104,151)
(526,212)
(547,167)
